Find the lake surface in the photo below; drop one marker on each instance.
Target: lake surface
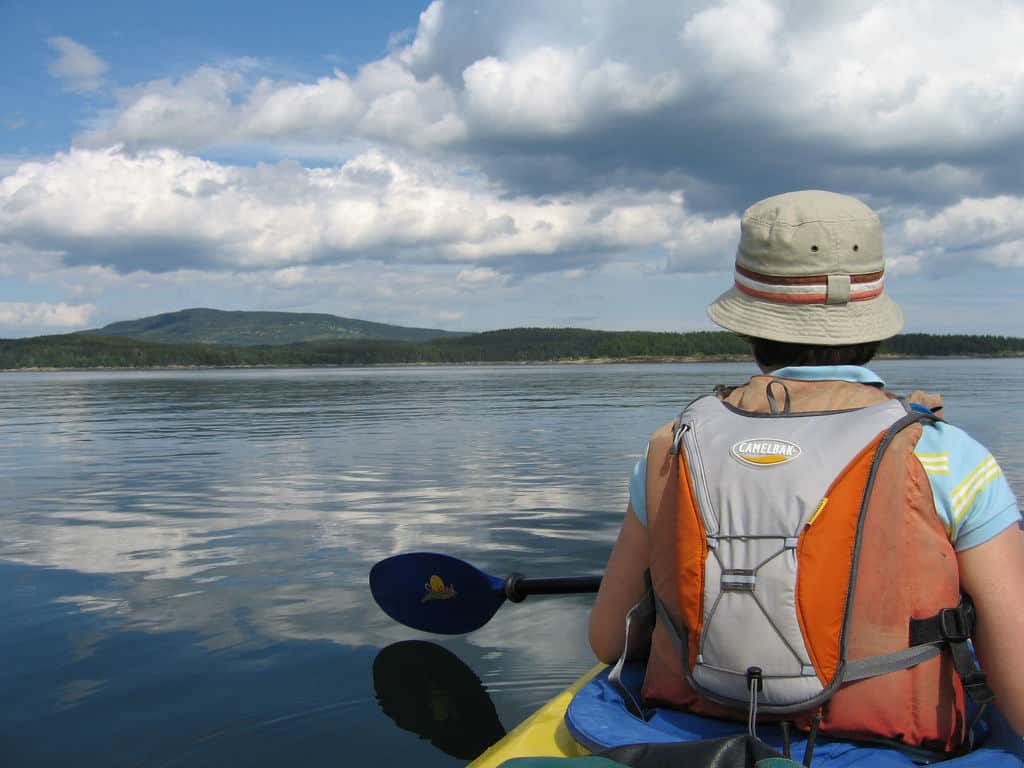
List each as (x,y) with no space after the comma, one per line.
(184,555)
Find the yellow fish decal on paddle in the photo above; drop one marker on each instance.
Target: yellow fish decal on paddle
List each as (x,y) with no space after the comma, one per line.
(436,590)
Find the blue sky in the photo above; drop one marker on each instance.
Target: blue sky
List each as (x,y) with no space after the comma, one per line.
(477,165)
(147,41)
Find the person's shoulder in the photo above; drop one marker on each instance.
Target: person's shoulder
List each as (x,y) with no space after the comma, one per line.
(941,437)
(948,451)
(925,402)
(972,497)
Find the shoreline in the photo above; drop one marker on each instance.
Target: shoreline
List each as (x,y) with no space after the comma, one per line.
(659,359)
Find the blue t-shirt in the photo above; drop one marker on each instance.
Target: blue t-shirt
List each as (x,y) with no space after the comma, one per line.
(972,497)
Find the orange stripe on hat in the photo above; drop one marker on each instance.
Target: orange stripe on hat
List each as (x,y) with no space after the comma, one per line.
(813,289)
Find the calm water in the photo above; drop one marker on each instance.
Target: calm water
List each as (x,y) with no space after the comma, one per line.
(183,555)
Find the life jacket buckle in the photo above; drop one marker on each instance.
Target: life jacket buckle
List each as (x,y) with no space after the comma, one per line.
(976,687)
(954,626)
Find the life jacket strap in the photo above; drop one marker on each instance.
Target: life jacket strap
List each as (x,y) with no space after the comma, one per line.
(873,666)
(639,626)
(950,627)
(953,628)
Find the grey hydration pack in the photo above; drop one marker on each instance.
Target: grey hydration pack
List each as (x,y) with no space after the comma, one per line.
(759,480)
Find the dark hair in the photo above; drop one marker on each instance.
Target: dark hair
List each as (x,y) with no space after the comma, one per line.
(771,355)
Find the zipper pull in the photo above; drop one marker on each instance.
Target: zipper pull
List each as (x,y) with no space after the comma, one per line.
(755,684)
(818,511)
(677,439)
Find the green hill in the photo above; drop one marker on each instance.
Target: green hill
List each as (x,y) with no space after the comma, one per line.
(78,350)
(530,344)
(82,350)
(244,329)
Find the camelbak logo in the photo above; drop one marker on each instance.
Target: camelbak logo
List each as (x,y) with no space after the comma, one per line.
(765,452)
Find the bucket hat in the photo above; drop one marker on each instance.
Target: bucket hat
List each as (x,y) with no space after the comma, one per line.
(809,270)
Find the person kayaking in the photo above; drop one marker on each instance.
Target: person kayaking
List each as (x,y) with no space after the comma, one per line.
(817,551)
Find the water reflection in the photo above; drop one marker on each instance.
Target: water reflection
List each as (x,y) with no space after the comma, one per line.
(429,691)
(86,688)
(174,546)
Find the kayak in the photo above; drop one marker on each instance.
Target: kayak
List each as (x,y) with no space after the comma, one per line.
(542,734)
(433,592)
(588,717)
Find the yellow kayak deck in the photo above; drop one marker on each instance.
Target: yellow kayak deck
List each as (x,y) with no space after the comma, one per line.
(542,734)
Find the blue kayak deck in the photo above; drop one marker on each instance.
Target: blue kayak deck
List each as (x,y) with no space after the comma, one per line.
(597,719)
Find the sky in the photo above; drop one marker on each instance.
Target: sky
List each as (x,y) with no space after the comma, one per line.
(490,164)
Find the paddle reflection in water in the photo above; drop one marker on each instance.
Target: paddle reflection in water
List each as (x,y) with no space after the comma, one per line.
(429,691)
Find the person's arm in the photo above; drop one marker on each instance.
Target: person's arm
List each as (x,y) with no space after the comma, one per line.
(621,588)
(993,575)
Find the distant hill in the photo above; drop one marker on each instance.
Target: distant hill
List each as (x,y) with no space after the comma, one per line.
(82,350)
(247,329)
(518,345)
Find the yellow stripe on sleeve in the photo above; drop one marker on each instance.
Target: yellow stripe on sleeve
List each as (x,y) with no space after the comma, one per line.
(965,493)
(934,463)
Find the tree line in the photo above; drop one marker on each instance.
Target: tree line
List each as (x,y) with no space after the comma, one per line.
(511,345)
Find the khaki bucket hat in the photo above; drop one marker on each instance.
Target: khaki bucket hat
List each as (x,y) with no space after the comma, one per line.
(809,270)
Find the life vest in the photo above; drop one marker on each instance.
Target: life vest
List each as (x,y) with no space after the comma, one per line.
(800,569)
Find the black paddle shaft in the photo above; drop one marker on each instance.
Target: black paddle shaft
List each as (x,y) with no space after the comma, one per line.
(518,587)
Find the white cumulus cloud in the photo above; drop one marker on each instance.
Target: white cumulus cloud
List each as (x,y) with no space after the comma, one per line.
(161,210)
(714,34)
(598,87)
(499,141)
(216,105)
(76,66)
(986,229)
(15,315)
(480,277)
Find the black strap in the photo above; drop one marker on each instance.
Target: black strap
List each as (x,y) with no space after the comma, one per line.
(739,751)
(639,626)
(953,627)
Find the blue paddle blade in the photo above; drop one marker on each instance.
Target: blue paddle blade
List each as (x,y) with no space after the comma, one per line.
(435,593)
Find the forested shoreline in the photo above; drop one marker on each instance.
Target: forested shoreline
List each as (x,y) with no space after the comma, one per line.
(518,345)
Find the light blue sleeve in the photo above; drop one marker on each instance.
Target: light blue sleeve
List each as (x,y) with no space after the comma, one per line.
(972,497)
(638,489)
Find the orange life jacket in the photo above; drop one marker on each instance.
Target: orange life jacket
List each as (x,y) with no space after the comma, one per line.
(872,570)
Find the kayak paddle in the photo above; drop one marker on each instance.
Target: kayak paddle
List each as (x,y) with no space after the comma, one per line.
(442,594)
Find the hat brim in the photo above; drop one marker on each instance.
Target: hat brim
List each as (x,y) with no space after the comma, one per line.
(857,322)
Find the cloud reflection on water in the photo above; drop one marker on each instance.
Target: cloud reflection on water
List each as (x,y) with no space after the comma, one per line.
(235,515)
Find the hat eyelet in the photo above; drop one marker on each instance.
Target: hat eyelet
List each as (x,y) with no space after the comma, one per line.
(814,249)
(856,247)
